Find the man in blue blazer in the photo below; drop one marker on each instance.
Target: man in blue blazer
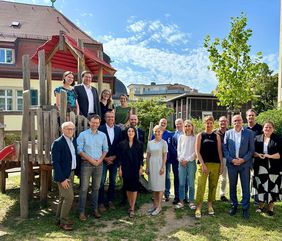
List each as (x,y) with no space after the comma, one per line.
(87,96)
(63,154)
(238,150)
(114,135)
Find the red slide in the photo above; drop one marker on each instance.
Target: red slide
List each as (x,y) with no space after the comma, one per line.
(6,151)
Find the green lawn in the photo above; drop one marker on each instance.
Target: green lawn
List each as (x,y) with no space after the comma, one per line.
(115,225)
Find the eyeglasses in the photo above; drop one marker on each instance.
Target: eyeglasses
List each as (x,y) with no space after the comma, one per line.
(69,129)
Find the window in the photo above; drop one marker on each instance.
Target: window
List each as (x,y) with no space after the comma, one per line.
(19,100)
(6,99)
(34,97)
(6,56)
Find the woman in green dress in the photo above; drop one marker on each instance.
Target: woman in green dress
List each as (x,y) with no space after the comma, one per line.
(122,112)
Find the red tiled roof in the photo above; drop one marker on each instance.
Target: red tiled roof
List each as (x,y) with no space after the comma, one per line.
(37,22)
(65,60)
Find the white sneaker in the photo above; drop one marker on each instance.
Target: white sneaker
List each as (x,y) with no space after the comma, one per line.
(179,205)
(156,212)
(150,210)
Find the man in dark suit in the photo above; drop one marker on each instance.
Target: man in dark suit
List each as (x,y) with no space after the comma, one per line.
(64,162)
(172,159)
(238,150)
(140,134)
(113,133)
(87,96)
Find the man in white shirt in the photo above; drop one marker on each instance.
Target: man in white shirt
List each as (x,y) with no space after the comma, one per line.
(114,136)
(87,96)
(238,150)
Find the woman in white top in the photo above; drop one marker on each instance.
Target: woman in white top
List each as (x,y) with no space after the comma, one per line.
(187,165)
(155,168)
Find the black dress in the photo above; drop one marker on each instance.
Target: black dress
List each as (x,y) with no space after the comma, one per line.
(267,172)
(104,109)
(130,159)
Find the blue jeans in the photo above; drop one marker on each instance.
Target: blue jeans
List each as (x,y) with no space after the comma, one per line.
(112,182)
(87,171)
(176,179)
(244,172)
(187,176)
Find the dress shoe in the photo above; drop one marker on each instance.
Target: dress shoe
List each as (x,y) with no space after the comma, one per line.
(166,199)
(111,205)
(96,214)
(246,214)
(224,199)
(102,208)
(270,213)
(82,217)
(175,201)
(66,227)
(233,211)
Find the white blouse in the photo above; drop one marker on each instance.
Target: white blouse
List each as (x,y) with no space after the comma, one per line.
(186,148)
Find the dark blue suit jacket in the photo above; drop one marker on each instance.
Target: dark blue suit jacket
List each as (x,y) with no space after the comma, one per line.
(82,100)
(61,159)
(118,137)
(246,149)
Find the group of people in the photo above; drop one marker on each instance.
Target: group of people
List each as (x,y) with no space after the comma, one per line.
(114,143)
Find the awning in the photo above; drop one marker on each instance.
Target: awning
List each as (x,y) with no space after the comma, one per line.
(67,59)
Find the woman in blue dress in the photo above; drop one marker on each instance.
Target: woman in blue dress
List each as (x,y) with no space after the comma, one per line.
(68,82)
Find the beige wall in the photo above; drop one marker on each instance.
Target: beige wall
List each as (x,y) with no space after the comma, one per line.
(14,122)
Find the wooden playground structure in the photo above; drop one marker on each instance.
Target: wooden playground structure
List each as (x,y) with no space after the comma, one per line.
(41,124)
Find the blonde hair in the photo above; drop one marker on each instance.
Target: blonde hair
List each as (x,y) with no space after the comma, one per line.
(186,122)
(208,118)
(157,127)
(110,100)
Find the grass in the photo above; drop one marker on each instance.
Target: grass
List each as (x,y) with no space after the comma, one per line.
(115,225)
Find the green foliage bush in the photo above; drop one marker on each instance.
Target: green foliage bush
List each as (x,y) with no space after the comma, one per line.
(151,110)
(275,116)
(11,137)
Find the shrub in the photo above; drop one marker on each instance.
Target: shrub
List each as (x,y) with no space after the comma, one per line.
(275,116)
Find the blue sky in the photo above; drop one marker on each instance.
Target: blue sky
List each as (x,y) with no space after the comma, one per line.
(162,40)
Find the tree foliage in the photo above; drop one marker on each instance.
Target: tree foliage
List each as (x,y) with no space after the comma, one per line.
(265,89)
(274,116)
(233,65)
(151,110)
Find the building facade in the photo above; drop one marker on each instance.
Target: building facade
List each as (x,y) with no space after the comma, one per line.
(23,29)
(163,91)
(199,105)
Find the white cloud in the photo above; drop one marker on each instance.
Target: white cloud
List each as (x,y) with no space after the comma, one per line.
(155,31)
(273,61)
(86,14)
(140,64)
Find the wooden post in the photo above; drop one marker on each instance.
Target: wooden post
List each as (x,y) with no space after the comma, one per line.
(181,108)
(2,172)
(26,72)
(100,80)
(61,40)
(24,156)
(187,116)
(150,131)
(42,77)
(49,82)
(80,62)
(63,107)
(44,182)
(39,136)
(30,180)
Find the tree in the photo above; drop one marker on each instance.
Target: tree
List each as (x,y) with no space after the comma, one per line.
(151,110)
(233,65)
(265,89)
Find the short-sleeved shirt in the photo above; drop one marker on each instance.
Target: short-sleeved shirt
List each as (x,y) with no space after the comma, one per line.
(122,114)
(71,96)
